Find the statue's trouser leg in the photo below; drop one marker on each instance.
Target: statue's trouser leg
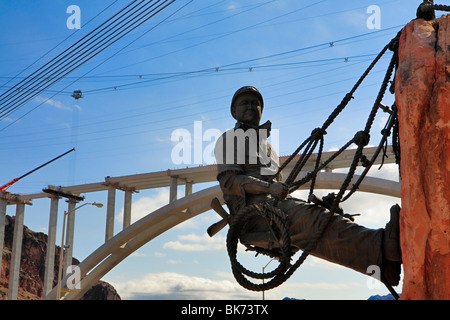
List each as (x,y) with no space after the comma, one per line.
(343,242)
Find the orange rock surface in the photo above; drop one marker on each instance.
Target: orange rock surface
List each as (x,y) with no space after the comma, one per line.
(422,89)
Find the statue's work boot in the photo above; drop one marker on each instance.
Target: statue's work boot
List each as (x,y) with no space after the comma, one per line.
(391,236)
(392,256)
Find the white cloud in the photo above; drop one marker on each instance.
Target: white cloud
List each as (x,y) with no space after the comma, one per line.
(321,263)
(325,286)
(159,254)
(54,103)
(165,140)
(172,261)
(373,208)
(145,205)
(193,242)
(7,119)
(138,254)
(169,285)
(225,275)
(354,19)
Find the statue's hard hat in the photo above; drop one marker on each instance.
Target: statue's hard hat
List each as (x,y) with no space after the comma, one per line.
(246,89)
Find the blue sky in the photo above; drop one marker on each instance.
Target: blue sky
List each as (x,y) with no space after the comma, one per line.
(183,66)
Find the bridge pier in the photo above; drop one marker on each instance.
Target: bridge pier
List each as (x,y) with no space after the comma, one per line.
(70,230)
(51,245)
(173,189)
(111,205)
(7,198)
(16,252)
(110,209)
(55,194)
(127,208)
(188,190)
(3,204)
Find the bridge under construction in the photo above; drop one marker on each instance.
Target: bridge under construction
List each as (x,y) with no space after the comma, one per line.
(180,208)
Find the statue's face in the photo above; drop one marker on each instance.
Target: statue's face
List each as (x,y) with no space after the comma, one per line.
(247,109)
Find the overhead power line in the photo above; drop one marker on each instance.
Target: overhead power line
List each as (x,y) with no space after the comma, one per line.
(68,62)
(231,66)
(175,75)
(222,35)
(125,21)
(60,43)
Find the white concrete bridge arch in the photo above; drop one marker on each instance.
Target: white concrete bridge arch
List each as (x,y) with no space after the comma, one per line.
(133,236)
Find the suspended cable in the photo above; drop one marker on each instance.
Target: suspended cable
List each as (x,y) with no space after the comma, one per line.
(223,69)
(135,22)
(72,64)
(174,117)
(67,38)
(221,36)
(48,64)
(166,4)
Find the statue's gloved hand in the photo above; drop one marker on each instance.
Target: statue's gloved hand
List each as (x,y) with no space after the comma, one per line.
(327,202)
(279,190)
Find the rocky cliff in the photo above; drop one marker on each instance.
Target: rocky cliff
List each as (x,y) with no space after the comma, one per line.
(422,90)
(31,283)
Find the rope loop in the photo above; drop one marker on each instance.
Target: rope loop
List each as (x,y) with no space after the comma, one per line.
(278,220)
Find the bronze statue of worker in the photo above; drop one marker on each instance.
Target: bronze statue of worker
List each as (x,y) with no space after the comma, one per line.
(247,169)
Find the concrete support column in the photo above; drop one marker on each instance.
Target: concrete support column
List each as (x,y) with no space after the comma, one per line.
(13,286)
(188,188)
(68,252)
(110,213)
(127,209)
(173,189)
(51,243)
(3,203)
(187,192)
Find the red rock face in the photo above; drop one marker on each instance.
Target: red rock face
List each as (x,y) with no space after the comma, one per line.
(422,91)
